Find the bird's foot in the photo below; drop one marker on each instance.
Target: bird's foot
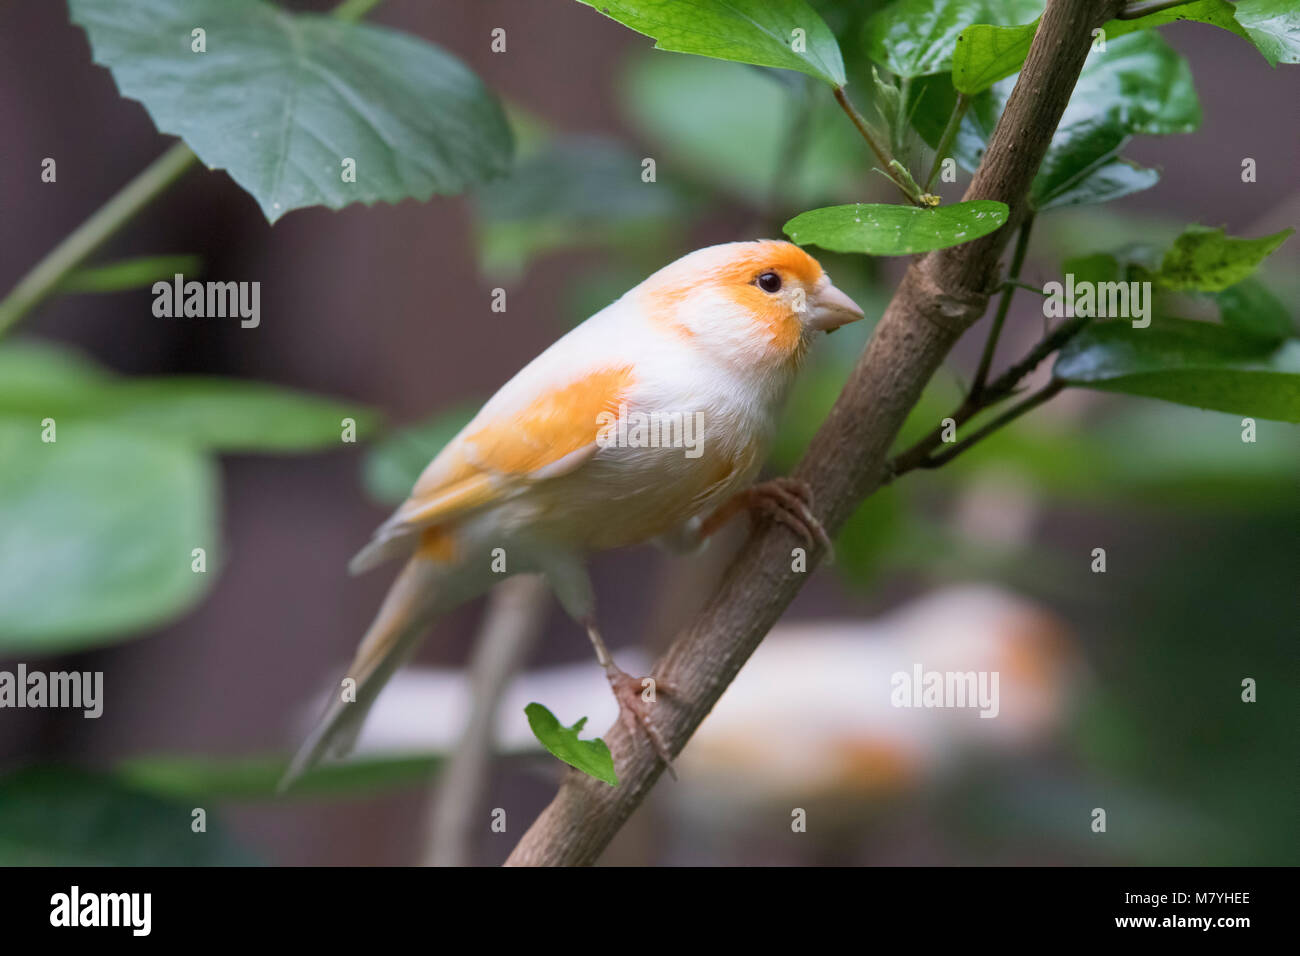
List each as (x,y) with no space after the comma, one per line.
(635,699)
(789,501)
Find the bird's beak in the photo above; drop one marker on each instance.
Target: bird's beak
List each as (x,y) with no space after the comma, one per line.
(830,308)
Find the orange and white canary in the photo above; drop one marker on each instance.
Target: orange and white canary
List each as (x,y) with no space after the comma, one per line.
(647,421)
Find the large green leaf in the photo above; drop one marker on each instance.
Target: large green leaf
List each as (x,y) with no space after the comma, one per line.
(393,465)
(736,134)
(1207,260)
(880,229)
(1192,363)
(39,380)
(787,34)
(56,816)
(281,100)
(98,531)
(1274,26)
(592,757)
(1139,85)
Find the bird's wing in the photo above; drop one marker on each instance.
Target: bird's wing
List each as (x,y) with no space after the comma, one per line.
(531,431)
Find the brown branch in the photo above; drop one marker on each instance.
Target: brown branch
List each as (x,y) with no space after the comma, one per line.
(940,296)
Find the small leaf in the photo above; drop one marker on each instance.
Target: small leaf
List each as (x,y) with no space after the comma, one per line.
(1273,26)
(280,100)
(761,32)
(592,757)
(1191,363)
(1250,307)
(1206,260)
(393,465)
(881,229)
(130,273)
(986,54)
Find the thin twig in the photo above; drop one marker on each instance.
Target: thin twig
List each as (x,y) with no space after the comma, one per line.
(1136,11)
(1004,305)
(945,140)
(860,123)
(515,614)
(1010,415)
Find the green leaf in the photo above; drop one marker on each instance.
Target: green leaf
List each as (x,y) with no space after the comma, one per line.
(592,757)
(1207,260)
(393,464)
(255,778)
(1139,85)
(986,54)
(1250,307)
(1191,363)
(735,135)
(130,273)
(56,816)
(98,532)
(880,229)
(1217,13)
(281,100)
(1273,26)
(221,414)
(581,190)
(788,34)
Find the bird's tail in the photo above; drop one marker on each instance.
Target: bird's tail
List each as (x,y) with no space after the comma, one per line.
(415,597)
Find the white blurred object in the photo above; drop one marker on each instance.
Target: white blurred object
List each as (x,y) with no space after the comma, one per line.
(811,712)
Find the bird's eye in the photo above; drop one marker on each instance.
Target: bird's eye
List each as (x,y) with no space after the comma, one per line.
(769,282)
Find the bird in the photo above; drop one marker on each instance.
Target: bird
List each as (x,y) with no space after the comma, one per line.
(647,422)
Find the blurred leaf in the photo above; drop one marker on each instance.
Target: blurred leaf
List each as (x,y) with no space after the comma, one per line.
(592,757)
(1207,260)
(868,537)
(1250,307)
(221,414)
(581,190)
(761,32)
(98,530)
(930,102)
(736,134)
(393,464)
(880,229)
(1273,26)
(1192,363)
(253,778)
(987,53)
(280,100)
(1140,85)
(1096,268)
(130,273)
(54,816)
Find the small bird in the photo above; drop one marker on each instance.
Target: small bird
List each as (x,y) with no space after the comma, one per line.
(646,422)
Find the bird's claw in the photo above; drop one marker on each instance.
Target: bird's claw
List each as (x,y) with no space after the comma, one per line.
(634,710)
(789,501)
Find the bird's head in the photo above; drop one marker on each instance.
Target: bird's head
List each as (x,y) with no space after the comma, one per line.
(756,303)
